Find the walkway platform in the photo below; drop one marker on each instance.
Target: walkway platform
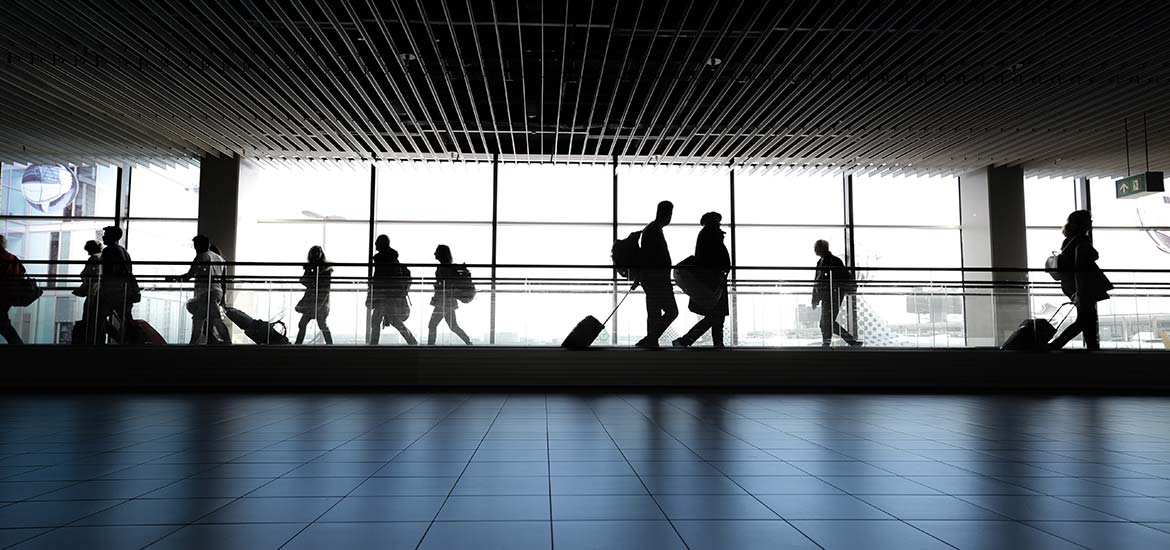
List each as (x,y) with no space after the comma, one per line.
(341,367)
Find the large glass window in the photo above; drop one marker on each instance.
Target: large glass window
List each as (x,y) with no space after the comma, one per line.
(47,213)
(162,216)
(552,214)
(422,205)
(282,213)
(1132,233)
(694,191)
(908,222)
(778,218)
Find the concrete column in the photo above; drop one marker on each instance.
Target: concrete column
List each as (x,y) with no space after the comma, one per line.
(219,191)
(993,236)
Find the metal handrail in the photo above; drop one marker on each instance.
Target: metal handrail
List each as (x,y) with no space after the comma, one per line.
(862,269)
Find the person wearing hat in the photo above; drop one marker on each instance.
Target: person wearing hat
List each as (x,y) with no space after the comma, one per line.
(711,263)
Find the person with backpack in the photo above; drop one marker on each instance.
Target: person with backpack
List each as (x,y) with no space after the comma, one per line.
(11,274)
(317,280)
(654,275)
(389,289)
(448,280)
(118,291)
(207,271)
(710,265)
(1081,280)
(833,281)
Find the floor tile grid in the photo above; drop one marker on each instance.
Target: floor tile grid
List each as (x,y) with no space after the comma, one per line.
(1062,443)
(548,460)
(684,411)
(303,528)
(948,463)
(436,423)
(233,500)
(162,436)
(645,487)
(439,511)
(1034,524)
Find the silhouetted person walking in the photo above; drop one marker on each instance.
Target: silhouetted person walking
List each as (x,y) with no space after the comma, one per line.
(207,270)
(828,292)
(11,274)
(712,263)
(661,308)
(1081,280)
(90,287)
(118,290)
(444,299)
(317,280)
(389,293)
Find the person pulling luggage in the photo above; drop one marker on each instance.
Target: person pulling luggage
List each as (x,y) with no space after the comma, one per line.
(1081,280)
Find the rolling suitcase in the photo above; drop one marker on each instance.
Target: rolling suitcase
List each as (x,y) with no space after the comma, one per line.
(1034,334)
(583,335)
(260,331)
(142,333)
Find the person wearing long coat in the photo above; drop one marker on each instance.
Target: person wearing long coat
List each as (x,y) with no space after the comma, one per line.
(317,280)
(1081,280)
(711,265)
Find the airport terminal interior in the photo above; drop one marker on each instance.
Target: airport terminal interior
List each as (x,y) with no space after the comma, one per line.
(589,274)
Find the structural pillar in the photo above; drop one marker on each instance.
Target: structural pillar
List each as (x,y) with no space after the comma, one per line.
(219,193)
(994,236)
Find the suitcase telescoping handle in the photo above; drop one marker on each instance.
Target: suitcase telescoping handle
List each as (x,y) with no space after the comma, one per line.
(627,295)
(1066,314)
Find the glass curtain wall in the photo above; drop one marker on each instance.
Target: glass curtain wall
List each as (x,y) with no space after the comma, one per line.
(908,222)
(779,216)
(1132,233)
(694,191)
(161,219)
(559,215)
(48,212)
(422,205)
(553,214)
(283,212)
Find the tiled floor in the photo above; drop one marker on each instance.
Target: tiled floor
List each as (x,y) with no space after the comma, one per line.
(584,472)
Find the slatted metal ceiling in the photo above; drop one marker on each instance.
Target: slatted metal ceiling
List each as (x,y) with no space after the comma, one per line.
(863,85)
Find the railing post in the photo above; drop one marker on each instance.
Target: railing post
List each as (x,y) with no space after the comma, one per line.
(734,262)
(373,223)
(613,335)
(850,247)
(495,228)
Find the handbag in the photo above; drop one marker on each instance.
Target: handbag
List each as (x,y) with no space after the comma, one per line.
(25,292)
(1052,266)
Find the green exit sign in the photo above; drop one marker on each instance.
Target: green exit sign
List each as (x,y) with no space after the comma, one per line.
(1139,185)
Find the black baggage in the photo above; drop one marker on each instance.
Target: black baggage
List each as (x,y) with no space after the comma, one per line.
(258,330)
(1034,334)
(583,335)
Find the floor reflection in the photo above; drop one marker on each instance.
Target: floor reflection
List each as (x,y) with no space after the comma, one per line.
(584,471)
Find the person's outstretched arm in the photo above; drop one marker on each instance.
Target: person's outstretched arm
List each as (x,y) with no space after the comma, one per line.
(191,273)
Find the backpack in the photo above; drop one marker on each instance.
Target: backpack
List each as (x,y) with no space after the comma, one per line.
(462,287)
(402,281)
(848,282)
(627,255)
